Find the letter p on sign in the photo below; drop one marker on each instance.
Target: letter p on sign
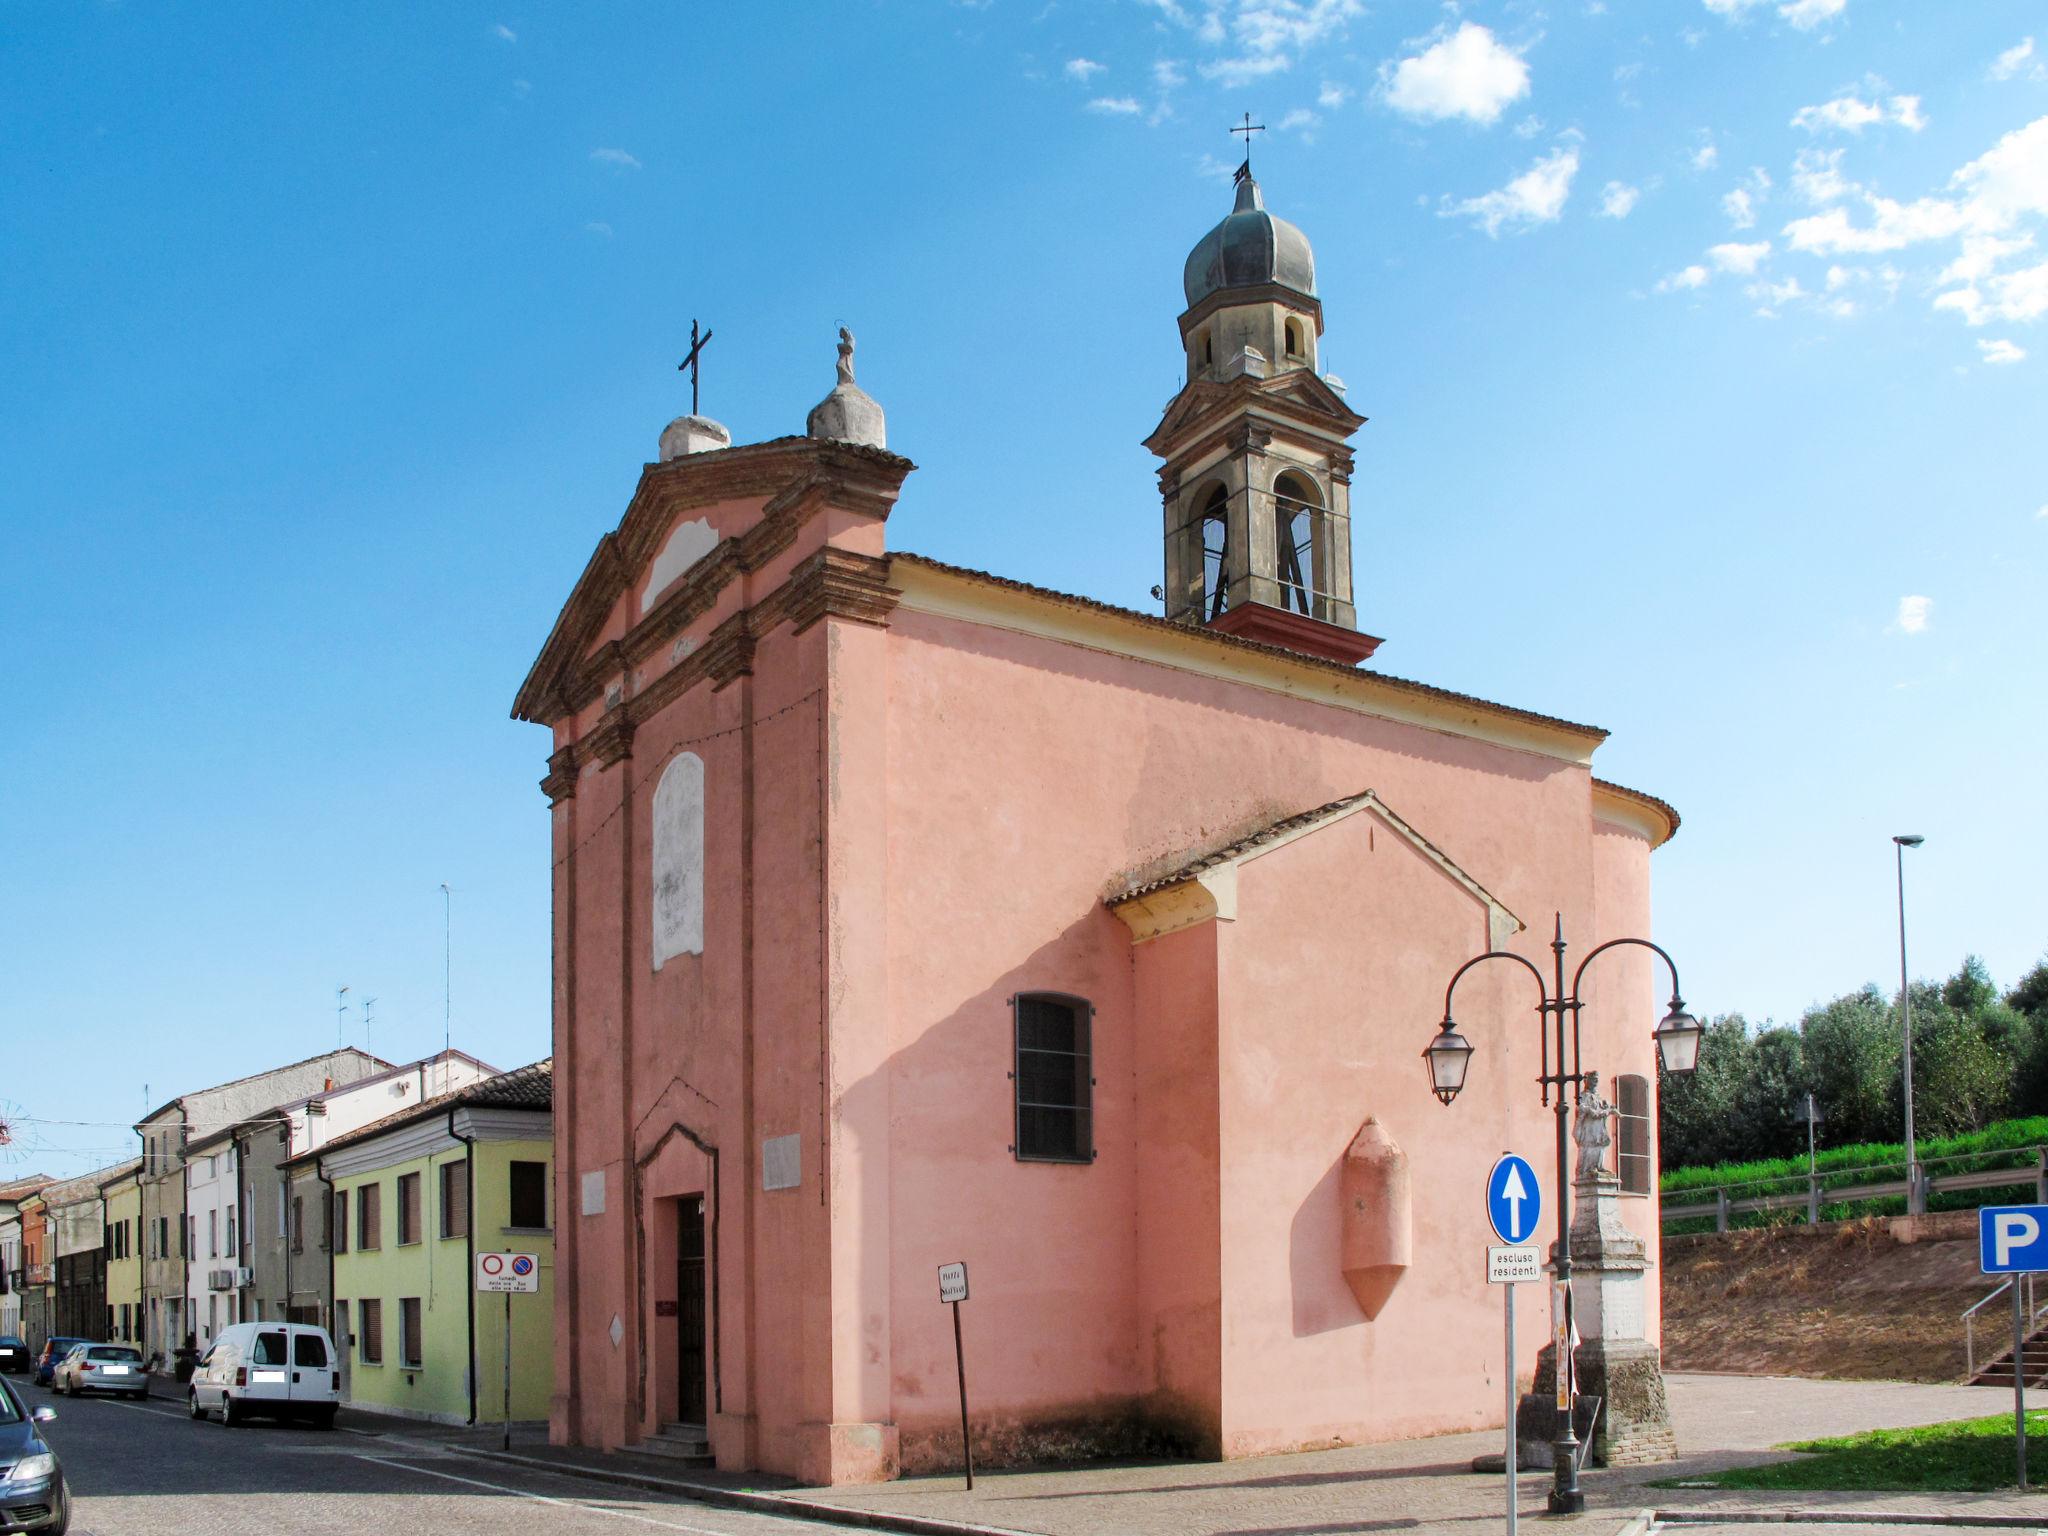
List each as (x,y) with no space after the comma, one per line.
(2012,1239)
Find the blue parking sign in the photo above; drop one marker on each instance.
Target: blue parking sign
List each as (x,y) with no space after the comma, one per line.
(2012,1239)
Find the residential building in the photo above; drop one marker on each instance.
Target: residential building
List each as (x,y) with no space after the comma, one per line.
(213,1217)
(907,914)
(417,1196)
(167,1133)
(77,1259)
(121,1195)
(286,1267)
(37,1311)
(12,1193)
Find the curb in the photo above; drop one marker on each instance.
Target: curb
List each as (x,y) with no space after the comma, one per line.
(754,1503)
(1844,1517)
(1638,1524)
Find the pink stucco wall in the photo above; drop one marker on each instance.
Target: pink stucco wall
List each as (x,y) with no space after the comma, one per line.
(908,823)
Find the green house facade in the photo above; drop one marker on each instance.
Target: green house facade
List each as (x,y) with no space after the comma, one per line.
(417,1198)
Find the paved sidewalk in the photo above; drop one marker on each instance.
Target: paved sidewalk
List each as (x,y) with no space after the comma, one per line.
(1424,1486)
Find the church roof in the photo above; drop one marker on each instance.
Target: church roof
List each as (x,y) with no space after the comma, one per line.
(1399,684)
(1249,249)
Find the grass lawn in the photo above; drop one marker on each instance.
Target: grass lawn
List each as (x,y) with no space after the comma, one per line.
(1968,1456)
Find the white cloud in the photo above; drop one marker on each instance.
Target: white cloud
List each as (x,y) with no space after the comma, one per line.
(1300,117)
(1850,113)
(1914,615)
(1271,26)
(1808,14)
(1083,69)
(1770,295)
(2042,515)
(504,33)
(600,229)
(1537,196)
(1468,74)
(1706,157)
(2021,296)
(1529,127)
(1332,96)
(1683,278)
(1167,74)
(1740,207)
(1739,258)
(1242,71)
(1817,176)
(2019,60)
(617,159)
(1618,200)
(1893,226)
(1115,106)
(2000,351)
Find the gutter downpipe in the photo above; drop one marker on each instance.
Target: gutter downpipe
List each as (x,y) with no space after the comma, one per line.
(320,1173)
(469,1233)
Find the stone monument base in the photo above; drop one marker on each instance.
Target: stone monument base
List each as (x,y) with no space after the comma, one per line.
(1634,1426)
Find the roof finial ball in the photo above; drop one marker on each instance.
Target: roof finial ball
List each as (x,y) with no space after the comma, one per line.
(849,414)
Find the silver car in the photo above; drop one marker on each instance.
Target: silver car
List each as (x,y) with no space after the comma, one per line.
(101,1368)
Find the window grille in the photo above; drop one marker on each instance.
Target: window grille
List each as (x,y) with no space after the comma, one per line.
(1055,1117)
(1632,1144)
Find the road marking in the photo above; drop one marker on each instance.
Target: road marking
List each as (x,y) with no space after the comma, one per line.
(542,1498)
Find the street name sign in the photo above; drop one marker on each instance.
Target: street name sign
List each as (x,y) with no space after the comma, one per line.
(512,1273)
(952,1282)
(1513,1266)
(1514,1200)
(2012,1239)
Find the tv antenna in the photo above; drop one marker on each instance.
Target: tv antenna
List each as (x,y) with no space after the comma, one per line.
(696,351)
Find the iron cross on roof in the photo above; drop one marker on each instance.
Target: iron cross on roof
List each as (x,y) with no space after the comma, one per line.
(696,350)
(1247,128)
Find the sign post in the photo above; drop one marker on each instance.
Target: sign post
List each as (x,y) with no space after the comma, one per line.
(508,1273)
(953,1291)
(1514,1203)
(2013,1240)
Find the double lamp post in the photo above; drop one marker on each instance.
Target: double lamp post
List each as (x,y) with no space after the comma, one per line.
(1449,1054)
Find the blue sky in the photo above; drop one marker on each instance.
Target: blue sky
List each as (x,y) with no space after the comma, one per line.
(1701,340)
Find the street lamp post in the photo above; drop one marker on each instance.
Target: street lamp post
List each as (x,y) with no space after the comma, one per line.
(1449,1054)
(1916,1200)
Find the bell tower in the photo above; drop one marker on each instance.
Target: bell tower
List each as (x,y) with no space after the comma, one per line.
(1256,481)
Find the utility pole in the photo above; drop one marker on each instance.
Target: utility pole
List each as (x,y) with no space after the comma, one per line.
(1916,1203)
(340,1016)
(447,971)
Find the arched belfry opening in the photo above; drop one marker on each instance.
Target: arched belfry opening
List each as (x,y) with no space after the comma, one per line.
(1256,479)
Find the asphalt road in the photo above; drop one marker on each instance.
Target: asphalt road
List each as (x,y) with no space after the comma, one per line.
(144,1469)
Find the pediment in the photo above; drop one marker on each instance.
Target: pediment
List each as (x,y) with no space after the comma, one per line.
(1296,395)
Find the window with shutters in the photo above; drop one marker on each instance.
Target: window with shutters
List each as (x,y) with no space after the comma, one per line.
(340,1222)
(1052,1074)
(298,1224)
(529,1196)
(455,1198)
(409,1332)
(408,1208)
(1632,1139)
(369,1219)
(370,1332)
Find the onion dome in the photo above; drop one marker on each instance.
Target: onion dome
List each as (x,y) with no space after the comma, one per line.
(1249,249)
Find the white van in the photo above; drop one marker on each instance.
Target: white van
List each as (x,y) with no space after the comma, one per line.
(284,1370)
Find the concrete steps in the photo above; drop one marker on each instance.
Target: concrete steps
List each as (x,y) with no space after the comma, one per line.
(685,1444)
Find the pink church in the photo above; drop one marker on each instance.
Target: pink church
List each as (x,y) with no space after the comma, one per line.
(905,914)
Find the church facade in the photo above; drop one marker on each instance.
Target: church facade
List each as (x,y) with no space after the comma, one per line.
(907,915)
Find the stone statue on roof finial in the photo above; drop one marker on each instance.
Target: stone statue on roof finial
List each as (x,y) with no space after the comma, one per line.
(845,355)
(848,414)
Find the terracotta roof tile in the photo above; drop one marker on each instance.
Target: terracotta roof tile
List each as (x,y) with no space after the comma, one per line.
(528,1087)
(1235,850)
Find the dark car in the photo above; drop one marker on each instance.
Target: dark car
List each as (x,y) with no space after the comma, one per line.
(13,1354)
(32,1492)
(54,1351)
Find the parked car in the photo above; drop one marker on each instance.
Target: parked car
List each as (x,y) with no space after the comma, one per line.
(33,1496)
(53,1352)
(280,1370)
(101,1368)
(13,1354)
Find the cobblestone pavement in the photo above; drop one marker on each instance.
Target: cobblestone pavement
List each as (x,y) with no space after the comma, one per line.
(145,1469)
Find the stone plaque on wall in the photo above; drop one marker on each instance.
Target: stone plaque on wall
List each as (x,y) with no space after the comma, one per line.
(593,1192)
(782,1162)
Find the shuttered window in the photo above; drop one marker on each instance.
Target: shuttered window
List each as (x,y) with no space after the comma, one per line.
(409,1331)
(455,1198)
(370,1331)
(369,1219)
(1052,1073)
(1632,1143)
(408,1208)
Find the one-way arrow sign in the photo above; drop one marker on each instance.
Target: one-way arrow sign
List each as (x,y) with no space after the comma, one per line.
(1514,1200)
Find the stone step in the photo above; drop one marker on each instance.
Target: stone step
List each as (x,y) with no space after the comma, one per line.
(686,1443)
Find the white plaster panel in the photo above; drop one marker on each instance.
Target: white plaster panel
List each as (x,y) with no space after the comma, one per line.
(679,860)
(782,1162)
(593,1192)
(687,544)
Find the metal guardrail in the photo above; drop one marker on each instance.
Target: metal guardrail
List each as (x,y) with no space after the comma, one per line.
(1813,1191)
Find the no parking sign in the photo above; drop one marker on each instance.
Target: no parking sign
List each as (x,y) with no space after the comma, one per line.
(507,1272)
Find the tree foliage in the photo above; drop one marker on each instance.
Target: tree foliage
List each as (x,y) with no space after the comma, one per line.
(1977,1057)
